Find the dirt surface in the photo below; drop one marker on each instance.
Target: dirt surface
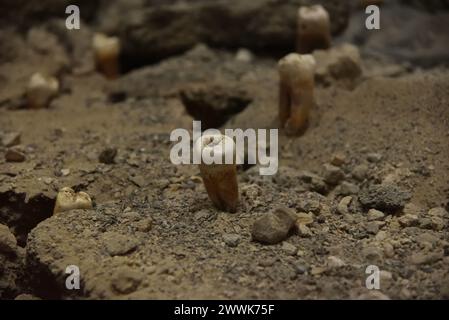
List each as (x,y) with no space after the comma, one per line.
(367,183)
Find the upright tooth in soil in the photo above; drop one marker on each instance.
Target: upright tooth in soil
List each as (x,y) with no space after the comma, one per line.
(296,91)
(220,180)
(314,29)
(107,52)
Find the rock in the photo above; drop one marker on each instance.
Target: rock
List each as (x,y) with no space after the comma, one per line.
(338,159)
(427,239)
(347,188)
(11,139)
(144,225)
(304,231)
(78,45)
(289,248)
(273,227)
(437,223)
(332,174)
(338,63)
(372,253)
(311,202)
(27,14)
(388,250)
(259,25)
(343,205)
(304,218)
(425,223)
(374,157)
(138,181)
(231,239)
(316,182)
(300,268)
(126,280)
(373,227)
(107,156)
(413,209)
(438,212)
(388,198)
(404,47)
(8,243)
(381,236)
(117,244)
(335,262)
(374,214)
(213,103)
(360,172)
(14,155)
(444,289)
(424,257)
(408,220)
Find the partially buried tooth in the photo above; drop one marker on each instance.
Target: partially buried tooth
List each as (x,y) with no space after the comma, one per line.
(107,51)
(68,199)
(296,91)
(40,90)
(314,29)
(220,179)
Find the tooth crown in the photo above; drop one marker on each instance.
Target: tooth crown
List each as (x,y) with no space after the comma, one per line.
(68,199)
(313,19)
(106,46)
(41,89)
(218,146)
(297,69)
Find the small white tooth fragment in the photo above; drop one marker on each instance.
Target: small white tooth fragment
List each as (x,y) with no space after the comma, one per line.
(107,52)
(68,199)
(40,90)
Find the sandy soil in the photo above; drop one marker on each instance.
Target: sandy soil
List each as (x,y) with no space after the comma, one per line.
(153,232)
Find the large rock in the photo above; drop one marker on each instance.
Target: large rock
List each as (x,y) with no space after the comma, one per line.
(156,29)
(8,243)
(27,13)
(406,34)
(11,264)
(39,51)
(22,212)
(213,104)
(386,198)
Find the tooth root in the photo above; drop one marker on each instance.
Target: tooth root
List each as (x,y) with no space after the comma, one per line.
(109,66)
(284,103)
(300,110)
(222,186)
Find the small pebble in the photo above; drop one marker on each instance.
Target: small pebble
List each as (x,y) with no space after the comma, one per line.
(14,155)
(231,239)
